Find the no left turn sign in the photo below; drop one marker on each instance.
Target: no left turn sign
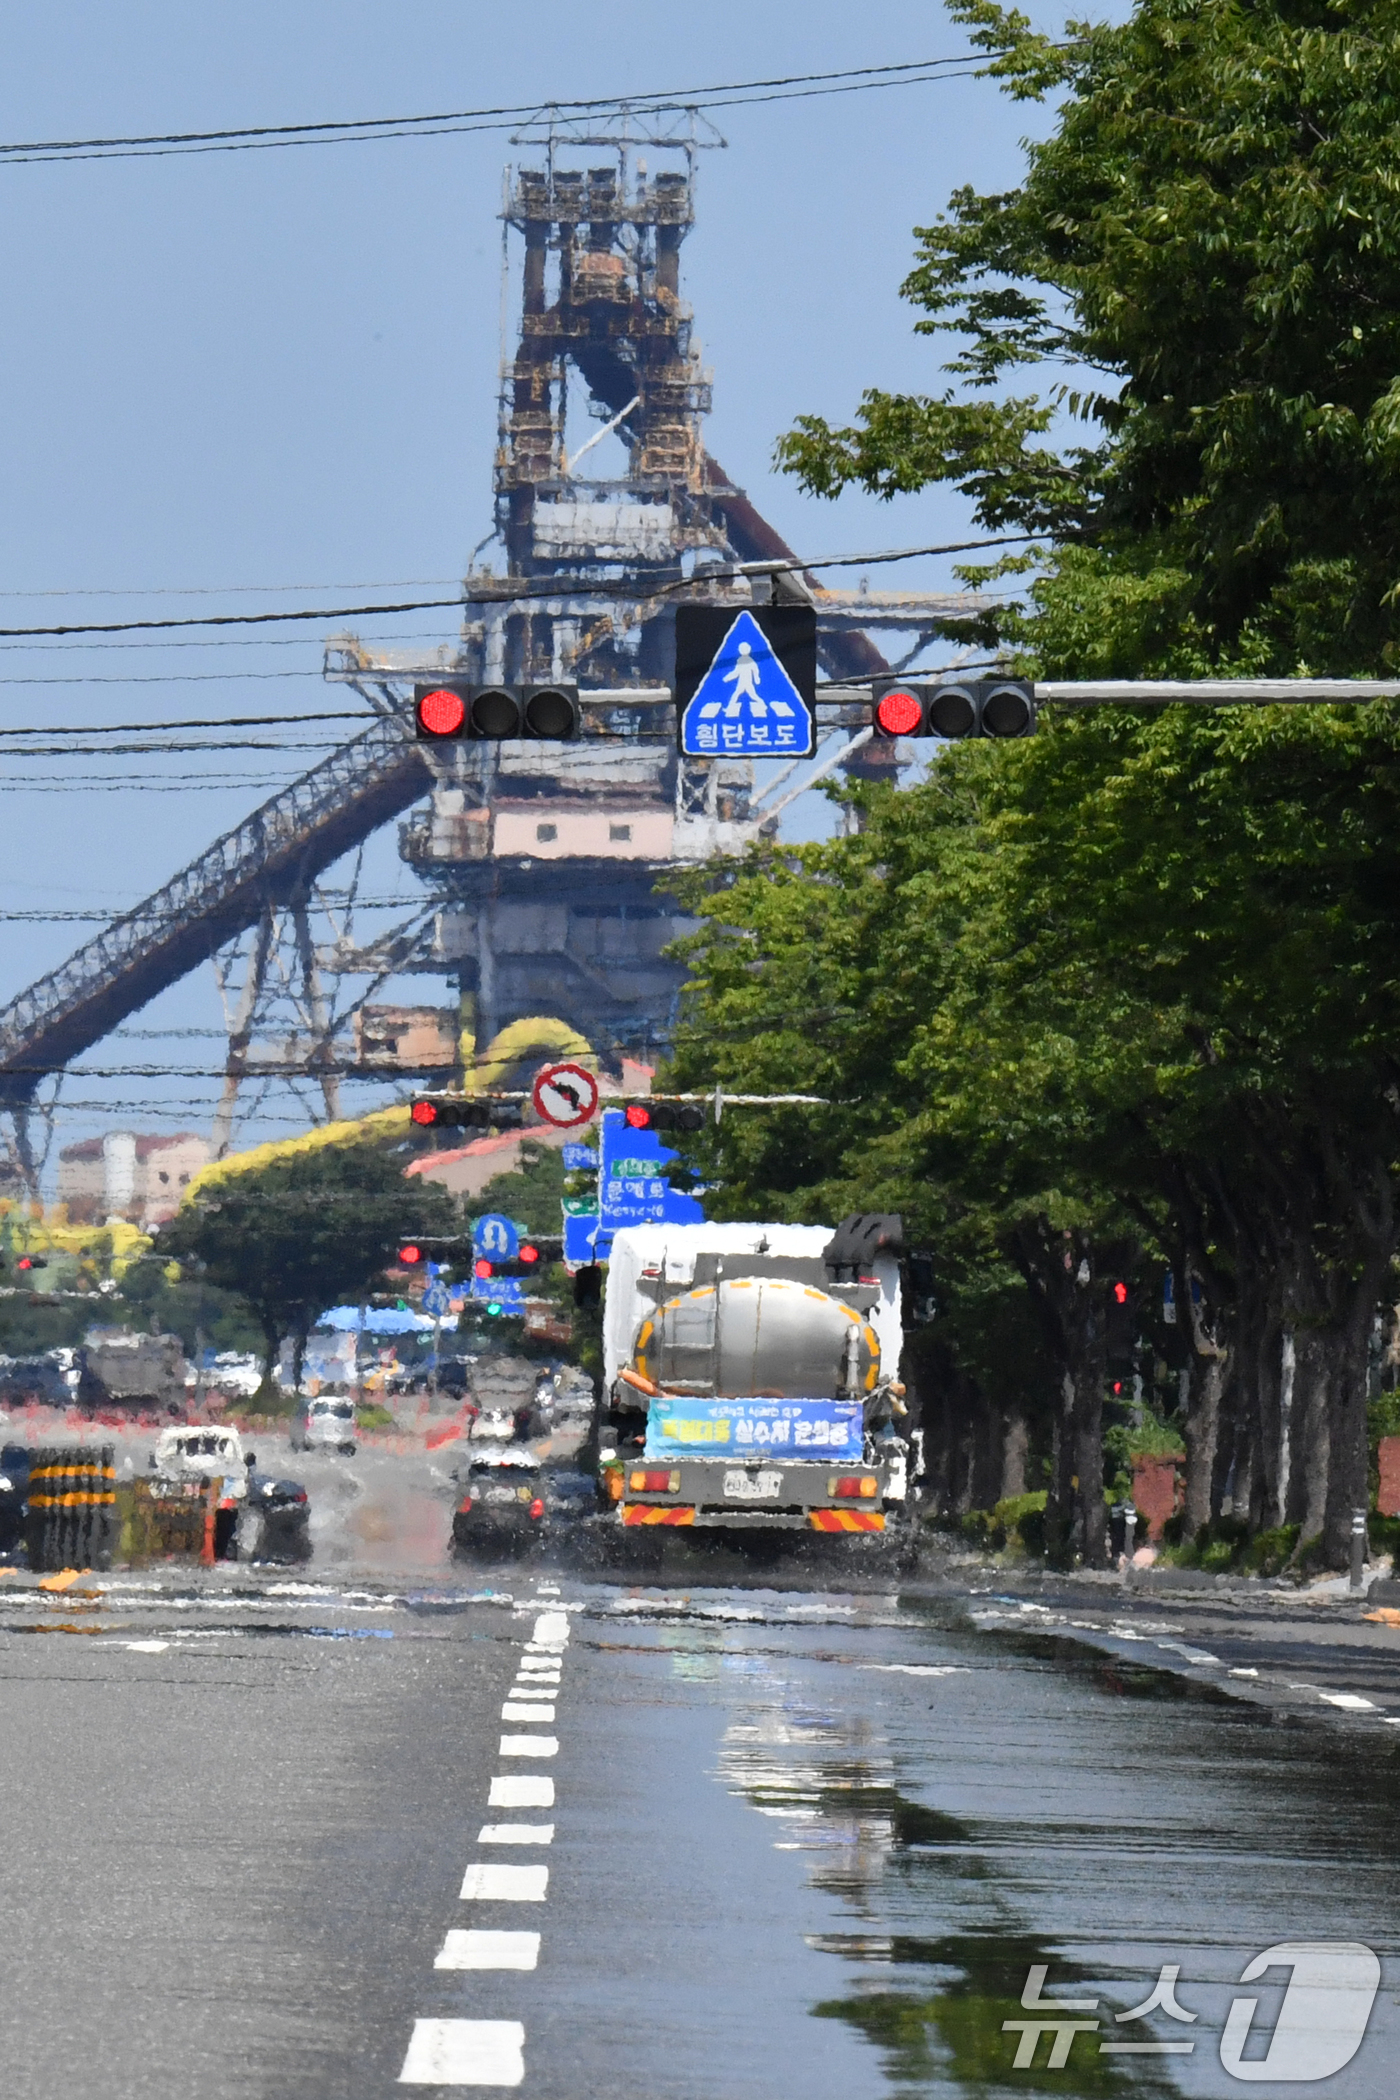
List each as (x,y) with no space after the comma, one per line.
(566,1095)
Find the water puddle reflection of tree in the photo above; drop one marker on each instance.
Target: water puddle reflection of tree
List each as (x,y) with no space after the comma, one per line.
(932,2004)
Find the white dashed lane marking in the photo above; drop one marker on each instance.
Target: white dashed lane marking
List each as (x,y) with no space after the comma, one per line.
(521,1790)
(489,1950)
(484,1882)
(492,2052)
(465,2052)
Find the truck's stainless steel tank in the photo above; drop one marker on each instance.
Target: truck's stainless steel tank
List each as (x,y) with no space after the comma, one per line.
(758,1337)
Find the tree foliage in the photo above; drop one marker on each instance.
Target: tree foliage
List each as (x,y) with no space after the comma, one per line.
(1204,258)
(1116,1001)
(298,1235)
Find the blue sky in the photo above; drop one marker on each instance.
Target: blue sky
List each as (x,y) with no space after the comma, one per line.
(275,369)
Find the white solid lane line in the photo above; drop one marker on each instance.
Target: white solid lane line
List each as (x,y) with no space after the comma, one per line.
(484,1882)
(515,1834)
(529,1746)
(526,1710)
(489,1950)
(465,2052)
(521,1790)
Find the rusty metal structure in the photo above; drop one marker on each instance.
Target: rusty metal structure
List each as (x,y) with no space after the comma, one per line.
(544,867)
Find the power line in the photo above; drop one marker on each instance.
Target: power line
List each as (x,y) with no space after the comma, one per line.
(198,722)
(231,590)
(105,918)
(544,587)
(501,116)
(159,677)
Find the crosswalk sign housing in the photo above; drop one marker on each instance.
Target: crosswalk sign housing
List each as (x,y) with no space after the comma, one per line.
(746,682)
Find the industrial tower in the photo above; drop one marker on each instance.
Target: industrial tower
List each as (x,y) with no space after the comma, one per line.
(544,867)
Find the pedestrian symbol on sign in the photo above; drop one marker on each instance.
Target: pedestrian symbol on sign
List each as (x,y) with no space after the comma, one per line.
(744,701)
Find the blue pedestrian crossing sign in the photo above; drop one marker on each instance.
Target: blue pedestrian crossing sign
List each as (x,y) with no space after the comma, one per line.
(746,681)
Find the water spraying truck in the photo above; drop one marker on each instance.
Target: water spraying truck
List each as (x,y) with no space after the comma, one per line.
(752,1376)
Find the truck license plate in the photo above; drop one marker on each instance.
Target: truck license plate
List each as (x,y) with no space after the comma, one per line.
(752,1487)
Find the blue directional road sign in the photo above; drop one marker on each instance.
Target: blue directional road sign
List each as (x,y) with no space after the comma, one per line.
(435,1300)
(746,682)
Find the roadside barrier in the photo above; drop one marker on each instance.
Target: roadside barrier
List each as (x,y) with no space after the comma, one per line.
(71,1520)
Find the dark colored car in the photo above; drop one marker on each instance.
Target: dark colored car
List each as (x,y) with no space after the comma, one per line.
(274,1522)
(14,1496)
(28,1378)
(502,1507)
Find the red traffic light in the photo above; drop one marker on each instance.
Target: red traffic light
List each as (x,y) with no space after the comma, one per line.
(638,1115)
(481,1269)
(529,1254)
(440,712)
(1120,1293)
(899,711)
(409,1255)
(424,1112)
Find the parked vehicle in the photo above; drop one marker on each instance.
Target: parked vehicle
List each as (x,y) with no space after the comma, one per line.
(502,1508)
(185,1456)
(752,1376)
(133,1370)
(274,1522)
(45,1378)
(14,1499)
(189,1453)
(324,1423)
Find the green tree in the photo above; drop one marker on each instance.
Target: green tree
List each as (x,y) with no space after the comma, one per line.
(1205,256)
(298,1235)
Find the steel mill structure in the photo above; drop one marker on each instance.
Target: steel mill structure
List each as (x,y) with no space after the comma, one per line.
(543,866)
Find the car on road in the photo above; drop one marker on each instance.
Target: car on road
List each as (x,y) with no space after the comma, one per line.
(502,1506)
(274,1523)
(324,1422)
(14,1499)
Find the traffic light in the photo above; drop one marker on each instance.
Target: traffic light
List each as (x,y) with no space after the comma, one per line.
(664,1115)
(525,1263)
(410,1256)
(31,1261)
(455,709)
(464,1112)
(1120,1334)
(953,707)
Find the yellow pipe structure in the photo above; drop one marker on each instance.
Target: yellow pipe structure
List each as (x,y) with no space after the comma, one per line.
(507,1048)
(382,1123)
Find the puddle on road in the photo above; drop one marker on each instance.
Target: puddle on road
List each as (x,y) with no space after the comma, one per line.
(981,1806)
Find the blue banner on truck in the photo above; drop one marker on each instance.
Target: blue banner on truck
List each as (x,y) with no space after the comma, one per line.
(822,1429)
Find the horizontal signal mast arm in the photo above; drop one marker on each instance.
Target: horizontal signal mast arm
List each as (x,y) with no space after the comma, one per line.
(1156,692)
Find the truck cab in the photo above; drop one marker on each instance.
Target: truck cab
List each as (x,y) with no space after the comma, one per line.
(752,1376)
(201,1453)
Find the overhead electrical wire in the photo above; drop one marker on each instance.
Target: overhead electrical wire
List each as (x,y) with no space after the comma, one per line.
(198,722)
(497,117)
(548,587)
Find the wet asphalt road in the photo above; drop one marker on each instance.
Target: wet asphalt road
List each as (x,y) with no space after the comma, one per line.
(776,1837)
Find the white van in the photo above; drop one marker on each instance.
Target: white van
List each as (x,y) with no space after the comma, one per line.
(324,1423)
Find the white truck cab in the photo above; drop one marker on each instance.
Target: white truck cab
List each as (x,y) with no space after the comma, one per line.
(204,1453)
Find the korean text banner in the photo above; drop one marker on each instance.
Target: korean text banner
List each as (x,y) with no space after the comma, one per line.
(820,1429)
